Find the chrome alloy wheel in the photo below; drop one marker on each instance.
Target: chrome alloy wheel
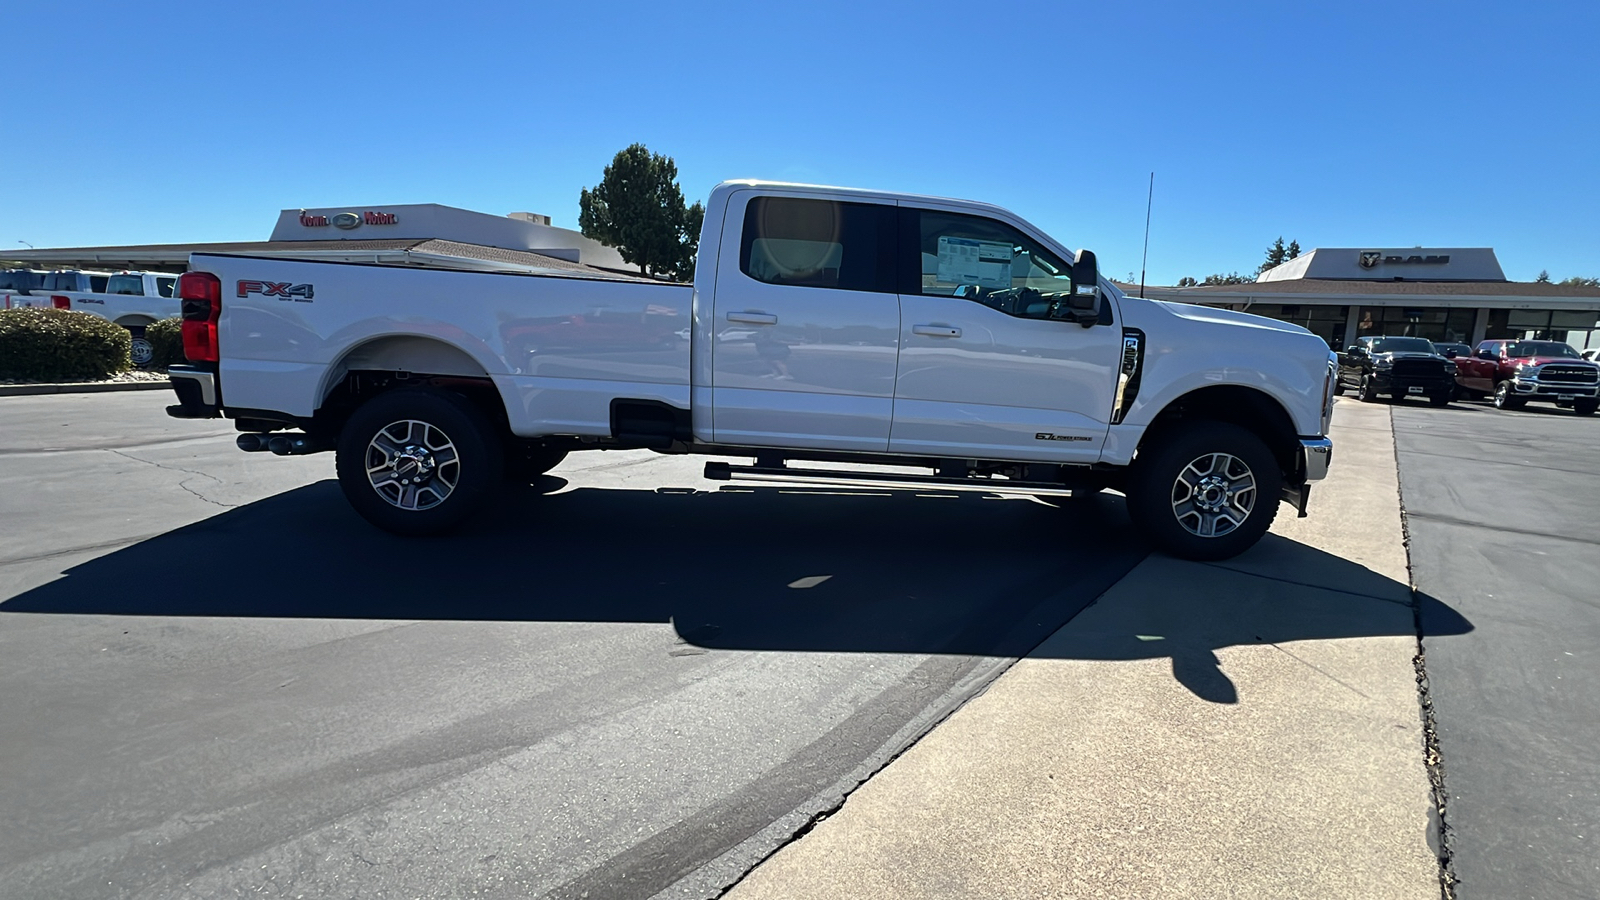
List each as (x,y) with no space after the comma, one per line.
(1214,495)
(412,465)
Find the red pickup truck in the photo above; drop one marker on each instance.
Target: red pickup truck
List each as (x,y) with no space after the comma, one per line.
(1516,372)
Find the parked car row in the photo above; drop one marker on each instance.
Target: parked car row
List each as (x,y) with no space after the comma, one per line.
(133,300)
(1512,372)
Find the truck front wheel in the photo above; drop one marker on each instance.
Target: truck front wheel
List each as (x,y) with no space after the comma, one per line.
(1506,398)
(1207,492)
(418,461)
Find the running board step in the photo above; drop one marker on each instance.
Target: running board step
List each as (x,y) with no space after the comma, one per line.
(721,471)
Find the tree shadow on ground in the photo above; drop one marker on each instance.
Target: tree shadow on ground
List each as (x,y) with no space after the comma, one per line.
(790,569)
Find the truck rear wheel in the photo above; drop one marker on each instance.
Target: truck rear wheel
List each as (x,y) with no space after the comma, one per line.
(1207,492)
(140,350)
(418,461)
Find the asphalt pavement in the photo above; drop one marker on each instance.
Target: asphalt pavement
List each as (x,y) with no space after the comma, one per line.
(1503,510)
(216,680)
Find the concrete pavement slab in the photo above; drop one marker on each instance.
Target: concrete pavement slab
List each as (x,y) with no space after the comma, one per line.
(1249,728)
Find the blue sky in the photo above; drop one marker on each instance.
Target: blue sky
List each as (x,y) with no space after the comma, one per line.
(1336,124)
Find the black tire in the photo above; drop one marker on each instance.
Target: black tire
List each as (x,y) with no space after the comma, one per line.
(1505,399)
(1366,393)
(1442,399)
(438,438)
(141,352)
(525,464)
(1585,407)
(1163,479)
(1338,386)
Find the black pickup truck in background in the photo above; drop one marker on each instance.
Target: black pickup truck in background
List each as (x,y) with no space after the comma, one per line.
(1399,367)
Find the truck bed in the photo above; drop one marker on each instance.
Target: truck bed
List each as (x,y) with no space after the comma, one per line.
(558,348)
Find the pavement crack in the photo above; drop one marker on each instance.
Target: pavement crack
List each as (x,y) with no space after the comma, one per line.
(104,545)
(183,483)
(1313,666)
(1307,584)
(1432,756)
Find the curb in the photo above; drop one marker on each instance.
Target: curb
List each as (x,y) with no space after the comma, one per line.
(88,387)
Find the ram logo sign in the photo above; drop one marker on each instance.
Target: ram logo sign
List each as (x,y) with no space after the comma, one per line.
(283,290)
(1371,258)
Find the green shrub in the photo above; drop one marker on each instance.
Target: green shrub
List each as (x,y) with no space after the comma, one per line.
(59,344)
(166,342)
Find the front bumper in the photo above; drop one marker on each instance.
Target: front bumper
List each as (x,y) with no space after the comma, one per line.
(1387,383)
(1316,454)
(1533,388)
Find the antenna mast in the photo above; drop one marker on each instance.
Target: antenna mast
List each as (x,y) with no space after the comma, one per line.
(1148,202)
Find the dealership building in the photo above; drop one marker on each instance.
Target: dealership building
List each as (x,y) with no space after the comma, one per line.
(423,234)
(1442,294)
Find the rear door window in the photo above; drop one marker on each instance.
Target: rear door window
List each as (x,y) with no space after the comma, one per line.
(819,243)
(97,284)
(165,286)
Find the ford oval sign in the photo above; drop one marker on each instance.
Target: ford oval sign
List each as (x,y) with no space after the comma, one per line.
(346,221)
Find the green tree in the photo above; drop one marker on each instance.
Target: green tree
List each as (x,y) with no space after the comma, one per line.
(1293,251)
(1580,282)
(638,208)
(1275,256)
(1230,278)
(1544,277)
(1187,281)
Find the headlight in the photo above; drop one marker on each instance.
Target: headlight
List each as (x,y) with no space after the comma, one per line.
(1450,368)
(1383,362)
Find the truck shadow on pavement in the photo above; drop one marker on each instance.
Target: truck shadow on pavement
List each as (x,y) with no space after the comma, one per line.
(791,569)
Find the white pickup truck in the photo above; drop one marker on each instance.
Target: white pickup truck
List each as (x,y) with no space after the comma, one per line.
(924,341)
(133,300)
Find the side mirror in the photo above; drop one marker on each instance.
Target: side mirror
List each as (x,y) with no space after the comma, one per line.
(1450,353)
(1486,354)
(1085,300)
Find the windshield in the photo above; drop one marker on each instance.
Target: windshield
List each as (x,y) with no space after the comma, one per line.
(125,284)
(1542,348)
(1403,345)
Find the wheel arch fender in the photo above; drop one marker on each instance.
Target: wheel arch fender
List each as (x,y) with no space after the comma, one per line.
(134,320)
(398,360)
(1250,408)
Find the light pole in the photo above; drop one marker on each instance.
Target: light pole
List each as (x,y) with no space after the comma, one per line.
(30,246)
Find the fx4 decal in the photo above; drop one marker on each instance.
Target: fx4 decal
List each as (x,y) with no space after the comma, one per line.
(283,290)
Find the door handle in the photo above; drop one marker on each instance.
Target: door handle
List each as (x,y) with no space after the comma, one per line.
(936,330)
(751,318)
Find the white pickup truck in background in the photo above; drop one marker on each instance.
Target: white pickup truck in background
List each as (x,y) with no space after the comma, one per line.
(130,299)
(825,325)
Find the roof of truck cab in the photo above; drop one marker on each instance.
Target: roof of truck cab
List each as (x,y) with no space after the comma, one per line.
(864,193)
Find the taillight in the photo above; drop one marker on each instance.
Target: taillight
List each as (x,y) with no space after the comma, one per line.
(60,302)
(201,293)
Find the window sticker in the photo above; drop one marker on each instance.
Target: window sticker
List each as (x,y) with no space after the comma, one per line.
(966,261)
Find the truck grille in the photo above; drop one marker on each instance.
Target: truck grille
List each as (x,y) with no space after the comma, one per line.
(1569,374)
(1418,368)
